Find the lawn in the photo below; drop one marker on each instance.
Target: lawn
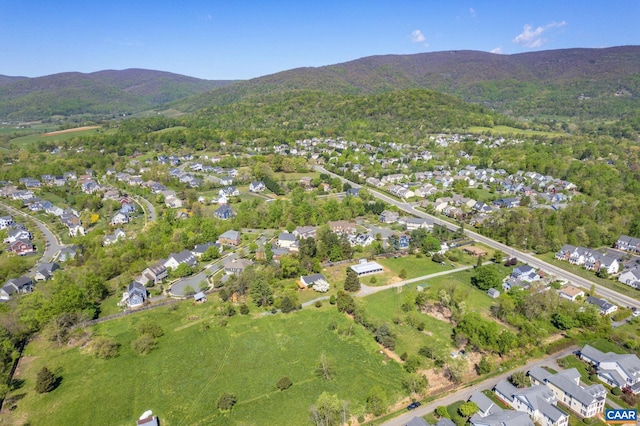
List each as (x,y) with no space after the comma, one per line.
(384,306)
(246,358)
(25,141)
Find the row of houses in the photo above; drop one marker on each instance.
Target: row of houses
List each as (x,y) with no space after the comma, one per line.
(136,293)
(590,259)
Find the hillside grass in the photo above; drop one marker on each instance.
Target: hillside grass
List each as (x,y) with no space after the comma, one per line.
(510,131)
(246,358)
(26,141)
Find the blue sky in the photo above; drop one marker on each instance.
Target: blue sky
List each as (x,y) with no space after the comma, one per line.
(244,39)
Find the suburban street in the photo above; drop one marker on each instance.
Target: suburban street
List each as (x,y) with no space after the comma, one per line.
(147,207)
(52,245)
(464,393)
(527,258)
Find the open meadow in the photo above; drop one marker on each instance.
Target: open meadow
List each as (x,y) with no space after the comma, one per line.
(196,361)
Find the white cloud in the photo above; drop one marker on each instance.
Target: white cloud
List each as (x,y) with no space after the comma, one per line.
(417,36)
(472,11)
(530,37)
(497,50)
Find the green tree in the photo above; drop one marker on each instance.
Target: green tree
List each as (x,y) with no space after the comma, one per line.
(328,410)
(188,290)
(497,257)
(144,344)
(45,381)
(345,303)
(352,281)
(226,401)
(287,305)
(486,277)
(415,383)
(442,412)
(519,379)
(403,274)
(377,401)
(183,270)
(484,366)
(468,409)
(261,292)
(104,347)
(210,254)
(284,383)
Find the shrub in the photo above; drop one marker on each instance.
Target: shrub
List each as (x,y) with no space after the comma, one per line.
(104,347)
(318,304)
(332,299)
(284,383)
(144,344)
(244,309)
(45,381)
(150,328)
(616,391)
(226,401)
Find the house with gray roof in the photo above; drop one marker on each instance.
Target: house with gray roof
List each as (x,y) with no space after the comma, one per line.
(586,401)
(616,370)
(502,418)
(631,277)
(605,307)
(485,405)
(134,296)
(538,401)
(176,259)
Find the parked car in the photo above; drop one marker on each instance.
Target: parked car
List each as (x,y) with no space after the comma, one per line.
(413,405)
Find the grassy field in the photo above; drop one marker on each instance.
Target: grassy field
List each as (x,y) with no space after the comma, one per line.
(507,131)
(246,358)
(386,305)
(25,141)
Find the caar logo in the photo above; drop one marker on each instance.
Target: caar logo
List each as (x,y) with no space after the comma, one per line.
(621,416)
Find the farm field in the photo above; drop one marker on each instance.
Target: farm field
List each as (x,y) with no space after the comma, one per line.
(246,358)
(506,130)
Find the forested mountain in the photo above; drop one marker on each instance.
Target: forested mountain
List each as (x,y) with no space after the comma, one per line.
(103,92)
(577,83)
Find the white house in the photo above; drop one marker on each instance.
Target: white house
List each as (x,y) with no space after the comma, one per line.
(616,370)
(176,259)
(631,277)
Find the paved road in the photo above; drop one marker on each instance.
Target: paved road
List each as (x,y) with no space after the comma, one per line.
(52,243)
(147,207)
(528,258)
(464,393)
(177,288)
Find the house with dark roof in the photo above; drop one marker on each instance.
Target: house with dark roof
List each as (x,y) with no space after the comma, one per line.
(287,240)
(257,186)
(605,307)
(224,212)
(176,259)
(525,273)
(154,274)
(45,271)
(317,281)
(627,243)
(16,286)
(616,370)
(199,249)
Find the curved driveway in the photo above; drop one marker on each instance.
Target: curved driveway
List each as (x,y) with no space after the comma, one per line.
(530,259)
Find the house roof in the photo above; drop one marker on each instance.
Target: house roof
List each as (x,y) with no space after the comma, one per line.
(567,381)
(538,373)
(20,282)
(601,303)
(506,389)
(285,236)
(503,418)
(184,256)
(230,235)
(571,290)
(417,421)
(483,402)
(363,268)
(311,279)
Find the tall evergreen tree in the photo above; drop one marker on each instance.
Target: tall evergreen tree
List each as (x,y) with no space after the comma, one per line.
(352,282)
